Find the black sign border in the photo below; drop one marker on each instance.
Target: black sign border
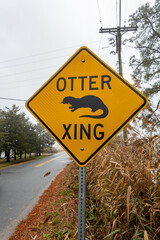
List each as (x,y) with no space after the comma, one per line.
(120,128)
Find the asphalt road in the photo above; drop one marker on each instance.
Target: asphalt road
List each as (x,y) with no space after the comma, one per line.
(21,186)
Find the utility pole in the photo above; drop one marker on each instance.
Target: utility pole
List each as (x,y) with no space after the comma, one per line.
(118,32)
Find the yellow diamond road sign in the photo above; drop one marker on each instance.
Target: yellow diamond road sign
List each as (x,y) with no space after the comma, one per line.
(85,104)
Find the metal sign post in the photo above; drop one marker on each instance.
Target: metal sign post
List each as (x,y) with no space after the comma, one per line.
(82,203)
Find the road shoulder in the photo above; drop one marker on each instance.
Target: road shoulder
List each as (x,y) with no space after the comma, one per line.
(54,211)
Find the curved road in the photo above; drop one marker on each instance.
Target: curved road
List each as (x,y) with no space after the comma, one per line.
(21,186)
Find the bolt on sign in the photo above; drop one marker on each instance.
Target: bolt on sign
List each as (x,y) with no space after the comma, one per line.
(85,104)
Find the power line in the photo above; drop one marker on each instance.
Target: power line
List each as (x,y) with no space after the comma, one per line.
(13,99)
(99,13)
(119,13)
(33,70)
(44,53)
(35,79)
(35,61)
(116,14)
(33,55)
(125,20)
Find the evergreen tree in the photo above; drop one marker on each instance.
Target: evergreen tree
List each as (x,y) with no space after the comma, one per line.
(32,138)
(12,130)
(147,41)
(18,136)
(44,139)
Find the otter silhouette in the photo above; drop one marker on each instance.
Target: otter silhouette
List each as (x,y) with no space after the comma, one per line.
(88,101)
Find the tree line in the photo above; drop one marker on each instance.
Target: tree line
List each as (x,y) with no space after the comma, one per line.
(19,136)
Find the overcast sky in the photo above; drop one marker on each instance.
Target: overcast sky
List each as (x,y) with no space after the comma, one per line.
(38,36)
